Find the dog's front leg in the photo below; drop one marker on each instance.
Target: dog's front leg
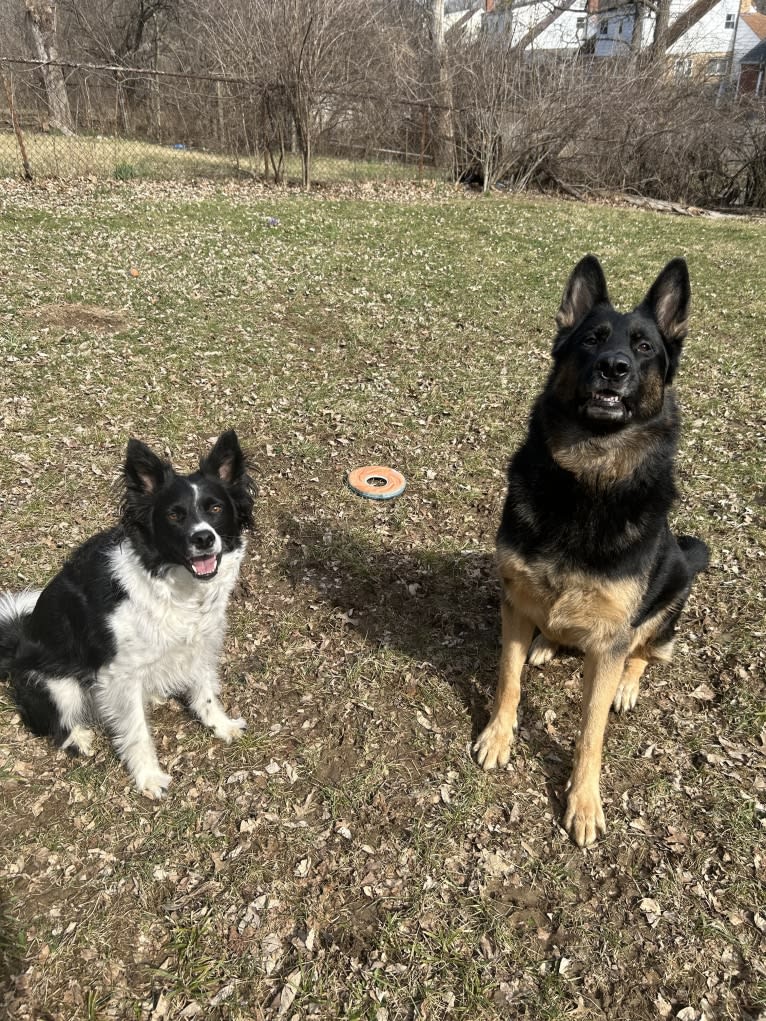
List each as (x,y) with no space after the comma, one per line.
(203,701)
(584,818)
(120,700)
(493,746)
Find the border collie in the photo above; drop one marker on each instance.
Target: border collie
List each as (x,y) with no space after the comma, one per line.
(137,613)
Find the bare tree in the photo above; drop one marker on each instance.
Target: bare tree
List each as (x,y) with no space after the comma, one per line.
(41,20)
(309,51)
(487,87)
(118,31)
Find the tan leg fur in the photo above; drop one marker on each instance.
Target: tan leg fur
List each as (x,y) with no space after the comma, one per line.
(493,746)
(584,817)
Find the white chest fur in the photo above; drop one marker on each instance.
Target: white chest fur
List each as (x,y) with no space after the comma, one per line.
(169,627)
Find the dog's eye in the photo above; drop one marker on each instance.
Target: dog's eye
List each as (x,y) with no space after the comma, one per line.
(644,347)
(175,515)
(590,341)
(216,508)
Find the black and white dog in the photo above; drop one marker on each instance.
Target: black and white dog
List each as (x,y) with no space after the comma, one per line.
(137,613)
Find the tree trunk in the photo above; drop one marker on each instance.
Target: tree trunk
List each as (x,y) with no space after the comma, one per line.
(638,28)
(221,116)
(443,135)
(41,18)
(154,86)
(303,127)
(660,41)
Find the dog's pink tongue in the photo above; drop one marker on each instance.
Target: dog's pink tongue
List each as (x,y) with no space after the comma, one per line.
(204,565)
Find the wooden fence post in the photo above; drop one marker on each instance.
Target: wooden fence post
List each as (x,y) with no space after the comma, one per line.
(16,127)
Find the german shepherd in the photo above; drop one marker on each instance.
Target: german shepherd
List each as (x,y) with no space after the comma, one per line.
(584,549)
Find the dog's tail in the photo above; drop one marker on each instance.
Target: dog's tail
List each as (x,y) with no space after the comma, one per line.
(14,607)
(695,551)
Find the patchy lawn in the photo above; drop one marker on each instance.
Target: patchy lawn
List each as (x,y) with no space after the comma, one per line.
(348,859)
(125,159)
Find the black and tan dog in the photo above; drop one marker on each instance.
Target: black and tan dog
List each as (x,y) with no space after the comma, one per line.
(584,548)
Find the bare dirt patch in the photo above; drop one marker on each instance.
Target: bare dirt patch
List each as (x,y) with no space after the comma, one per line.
(64,317)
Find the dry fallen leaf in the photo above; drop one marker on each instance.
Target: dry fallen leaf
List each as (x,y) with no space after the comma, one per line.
(289,992)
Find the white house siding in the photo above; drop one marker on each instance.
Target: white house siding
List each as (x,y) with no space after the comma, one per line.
(563,34)
(457,12)
(615,41)
(709,34)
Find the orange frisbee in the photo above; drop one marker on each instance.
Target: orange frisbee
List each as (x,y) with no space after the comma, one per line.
(376,482)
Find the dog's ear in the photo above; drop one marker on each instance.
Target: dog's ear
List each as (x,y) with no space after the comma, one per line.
(585,289)
(668,301)
(143,471)
(226,460)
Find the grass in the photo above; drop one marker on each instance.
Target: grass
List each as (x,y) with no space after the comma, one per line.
(372,871)
(100,157)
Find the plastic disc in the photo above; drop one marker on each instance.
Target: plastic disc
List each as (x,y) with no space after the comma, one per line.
(376,482)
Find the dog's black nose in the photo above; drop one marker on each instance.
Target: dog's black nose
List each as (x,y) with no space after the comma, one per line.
(613,366)
(204,539)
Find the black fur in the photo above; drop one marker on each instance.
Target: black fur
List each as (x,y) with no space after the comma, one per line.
(619,528)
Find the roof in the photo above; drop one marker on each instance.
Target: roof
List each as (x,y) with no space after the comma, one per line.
(756,22)
(757,55)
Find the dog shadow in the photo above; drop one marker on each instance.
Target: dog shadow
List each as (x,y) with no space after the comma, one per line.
(438,608)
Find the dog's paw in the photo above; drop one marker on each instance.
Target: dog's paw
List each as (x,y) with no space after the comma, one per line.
(230,730)
(80,741)
(152,783)
(493,745)
(626,695)
(541,651)
(584,817)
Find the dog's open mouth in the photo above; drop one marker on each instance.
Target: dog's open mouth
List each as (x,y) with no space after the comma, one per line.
(606,405)
(204,567)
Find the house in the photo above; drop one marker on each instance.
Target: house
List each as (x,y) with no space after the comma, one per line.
(553,26)
(750,53)
(707,38)
(752,74)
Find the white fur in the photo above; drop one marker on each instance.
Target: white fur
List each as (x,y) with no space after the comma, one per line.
(17,604)
(70,699)
(81,740)
(169,632)
(203,526)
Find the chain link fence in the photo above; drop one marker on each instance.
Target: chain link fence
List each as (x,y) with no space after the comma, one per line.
(128,123)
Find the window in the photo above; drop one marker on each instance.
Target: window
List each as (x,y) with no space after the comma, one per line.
(603,27)
(581,24)
(717,66)
(683,67)
(730,19)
